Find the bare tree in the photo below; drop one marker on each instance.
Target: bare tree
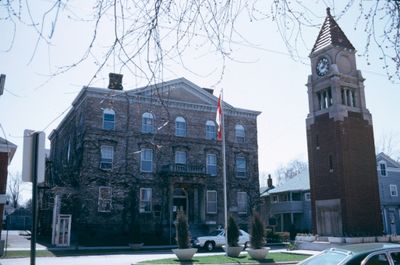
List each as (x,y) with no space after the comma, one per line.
(389,143)
(290,170)
(14,189)
(147,34)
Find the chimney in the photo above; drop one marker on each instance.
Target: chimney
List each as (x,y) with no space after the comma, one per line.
(115,81)
(269,181)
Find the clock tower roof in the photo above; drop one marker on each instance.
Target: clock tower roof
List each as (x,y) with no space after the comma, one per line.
(331,34)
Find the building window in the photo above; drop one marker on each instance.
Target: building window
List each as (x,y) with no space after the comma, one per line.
(382,168)
(212,164)
(348,97)
(240,166)
(239,133)
(274,199)
(104,202)
(180,157)
(330,163)
(107,155)
(283,197)
(108,119)
(147,123)
(146,160)
(325,98)
(145,200)
(296,196)
(210,130)
(307,196)
(393,190)
(180,126)
(242,202)
(211,201)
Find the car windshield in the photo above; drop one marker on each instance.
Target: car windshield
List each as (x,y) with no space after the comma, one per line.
(327,258)
(215,233)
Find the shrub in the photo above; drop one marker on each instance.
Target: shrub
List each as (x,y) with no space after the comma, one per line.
(257,232)
(136,237)
(182,231)
(233,233)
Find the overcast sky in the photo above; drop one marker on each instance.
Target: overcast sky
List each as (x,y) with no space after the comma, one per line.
(261,77)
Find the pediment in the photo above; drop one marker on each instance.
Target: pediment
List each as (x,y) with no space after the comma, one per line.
(178,90)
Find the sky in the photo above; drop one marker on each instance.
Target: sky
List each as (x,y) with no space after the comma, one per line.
(261,76)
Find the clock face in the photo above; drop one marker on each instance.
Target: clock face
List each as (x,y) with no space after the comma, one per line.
(322,66)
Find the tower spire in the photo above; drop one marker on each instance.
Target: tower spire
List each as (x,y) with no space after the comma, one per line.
(331,34)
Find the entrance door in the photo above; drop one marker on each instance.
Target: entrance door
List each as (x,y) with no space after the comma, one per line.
(63,230)
(180,202)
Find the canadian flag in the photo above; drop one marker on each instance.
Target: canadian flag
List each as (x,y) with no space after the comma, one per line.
(219,119)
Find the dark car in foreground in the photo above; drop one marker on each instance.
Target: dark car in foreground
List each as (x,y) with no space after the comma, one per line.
(358,254)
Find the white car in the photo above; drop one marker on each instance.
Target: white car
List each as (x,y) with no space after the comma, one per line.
(217,238)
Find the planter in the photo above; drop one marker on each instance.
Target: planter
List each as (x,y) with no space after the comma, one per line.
(233,251)
(336,239)
(258,254)
(309,238)
(136,246)
(353,240)
(383,238)
(369,239)
(184,253)
(395,238)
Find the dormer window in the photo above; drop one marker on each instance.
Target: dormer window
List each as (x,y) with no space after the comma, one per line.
(348,97)
(324,98)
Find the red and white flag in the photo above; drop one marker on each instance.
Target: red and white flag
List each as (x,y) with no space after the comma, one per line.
(219,119)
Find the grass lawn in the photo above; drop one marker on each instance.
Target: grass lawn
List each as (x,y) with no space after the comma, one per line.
(222,259)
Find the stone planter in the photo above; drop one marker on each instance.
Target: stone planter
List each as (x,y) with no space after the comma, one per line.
(309,238)
(258,254)
(383,238)
(233,251)
(395,238)
(184,253)
(369,239)
(336,239)
(136,246)
(353,240)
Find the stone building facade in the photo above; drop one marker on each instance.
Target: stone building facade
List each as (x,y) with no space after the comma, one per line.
(124,157)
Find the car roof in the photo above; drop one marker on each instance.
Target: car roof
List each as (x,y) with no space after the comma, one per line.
(365,248)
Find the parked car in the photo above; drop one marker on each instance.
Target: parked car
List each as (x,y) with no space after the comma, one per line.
(358,254)
(217,238)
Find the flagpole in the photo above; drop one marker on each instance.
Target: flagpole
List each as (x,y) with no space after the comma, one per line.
(224,173)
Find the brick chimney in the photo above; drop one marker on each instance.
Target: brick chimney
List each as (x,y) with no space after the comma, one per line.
(269,181)
(115,81)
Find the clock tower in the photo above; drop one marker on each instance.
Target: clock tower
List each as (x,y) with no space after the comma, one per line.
(341,151)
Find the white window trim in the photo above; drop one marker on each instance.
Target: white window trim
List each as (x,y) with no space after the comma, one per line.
(102,199)
(142,160)
(240,128)
(307,196)
(393,190)
(147,116)
(274,199)
(178,131)
(142,209)
(210,136)
(215,165)
(176,156)
(111,112)
(216,202)
(244,172)
(245,203)
(101,157)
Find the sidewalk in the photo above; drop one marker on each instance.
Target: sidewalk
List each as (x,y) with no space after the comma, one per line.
(20,240)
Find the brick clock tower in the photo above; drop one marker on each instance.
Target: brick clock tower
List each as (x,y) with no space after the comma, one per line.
(341,151)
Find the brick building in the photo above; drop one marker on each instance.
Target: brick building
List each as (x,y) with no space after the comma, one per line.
(138,156)
(341,151)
